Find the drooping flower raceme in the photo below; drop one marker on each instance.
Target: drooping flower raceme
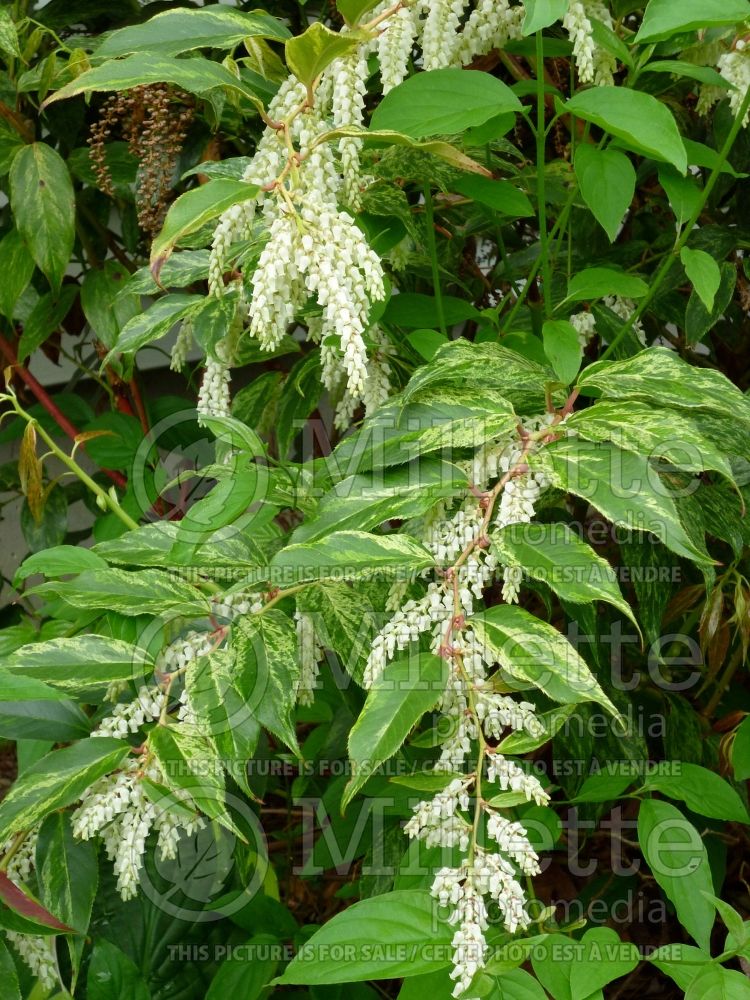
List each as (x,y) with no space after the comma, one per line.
(593,62)
(480,716)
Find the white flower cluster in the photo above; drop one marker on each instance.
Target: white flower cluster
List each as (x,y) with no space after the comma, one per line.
(490,25)
(395,44)
(594,63)
(624,308)
(38,953)
(584,323)
(349,74)
(734,66)
(128,717)
(440,32)
(464,889)
(310,653)
(319,252)
(231,606)
(439,823)
(512,778)
(214,398)
(182,345)
(117,808)
(36,950)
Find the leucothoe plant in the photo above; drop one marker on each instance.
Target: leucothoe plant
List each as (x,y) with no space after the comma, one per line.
(379,638)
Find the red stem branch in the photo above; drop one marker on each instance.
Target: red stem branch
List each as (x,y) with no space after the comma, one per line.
(49,404)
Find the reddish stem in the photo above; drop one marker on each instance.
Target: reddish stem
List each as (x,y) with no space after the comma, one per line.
(49,404)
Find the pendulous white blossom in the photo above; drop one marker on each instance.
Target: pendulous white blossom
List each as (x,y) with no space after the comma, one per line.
(117,809)
(38,953)
(464,889)
(734,66)
(594,63)
(512,778)
(182,345)
(214,398)
(584,324)
(128,717)
(309,653)
(440,37)
(624,308)
(349,74)
(395,44)
(490,25)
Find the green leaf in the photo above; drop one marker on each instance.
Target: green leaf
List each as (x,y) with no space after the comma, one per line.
(17,267)
(114,976)
(45,318)
(81,665)
(681,962)
(678,861)
(534,652)
(406,689)
(267,668)
(222,698)
(67,872)
(176,31)
(106,310)
(245,976)
(384,137)
(606,178)
(703,791)
(679,67)
(349,555)
(345,621)
(40,717)
(698,319)
(596,282)
(683,193)
(366,501)
(607,786)
(473,368)
(353,10)
(146,591)
(196,75)
(154,323)
(659,376)
(427,342)
(716,983)
(191,764)
(443,102)
(602,959)
(621,485)
(43,204)
(542,13)
(58,780)
(642,122)
(657,433)
(18,688)
(58,561)
(405,920)
(515,984)
(741,751)
(8,975)
(502,196)
(224,504)
(194,209)
(299,397)
(563,348)
(663,18)
(411,309)
(554,554)
(8,35)
(308,54)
